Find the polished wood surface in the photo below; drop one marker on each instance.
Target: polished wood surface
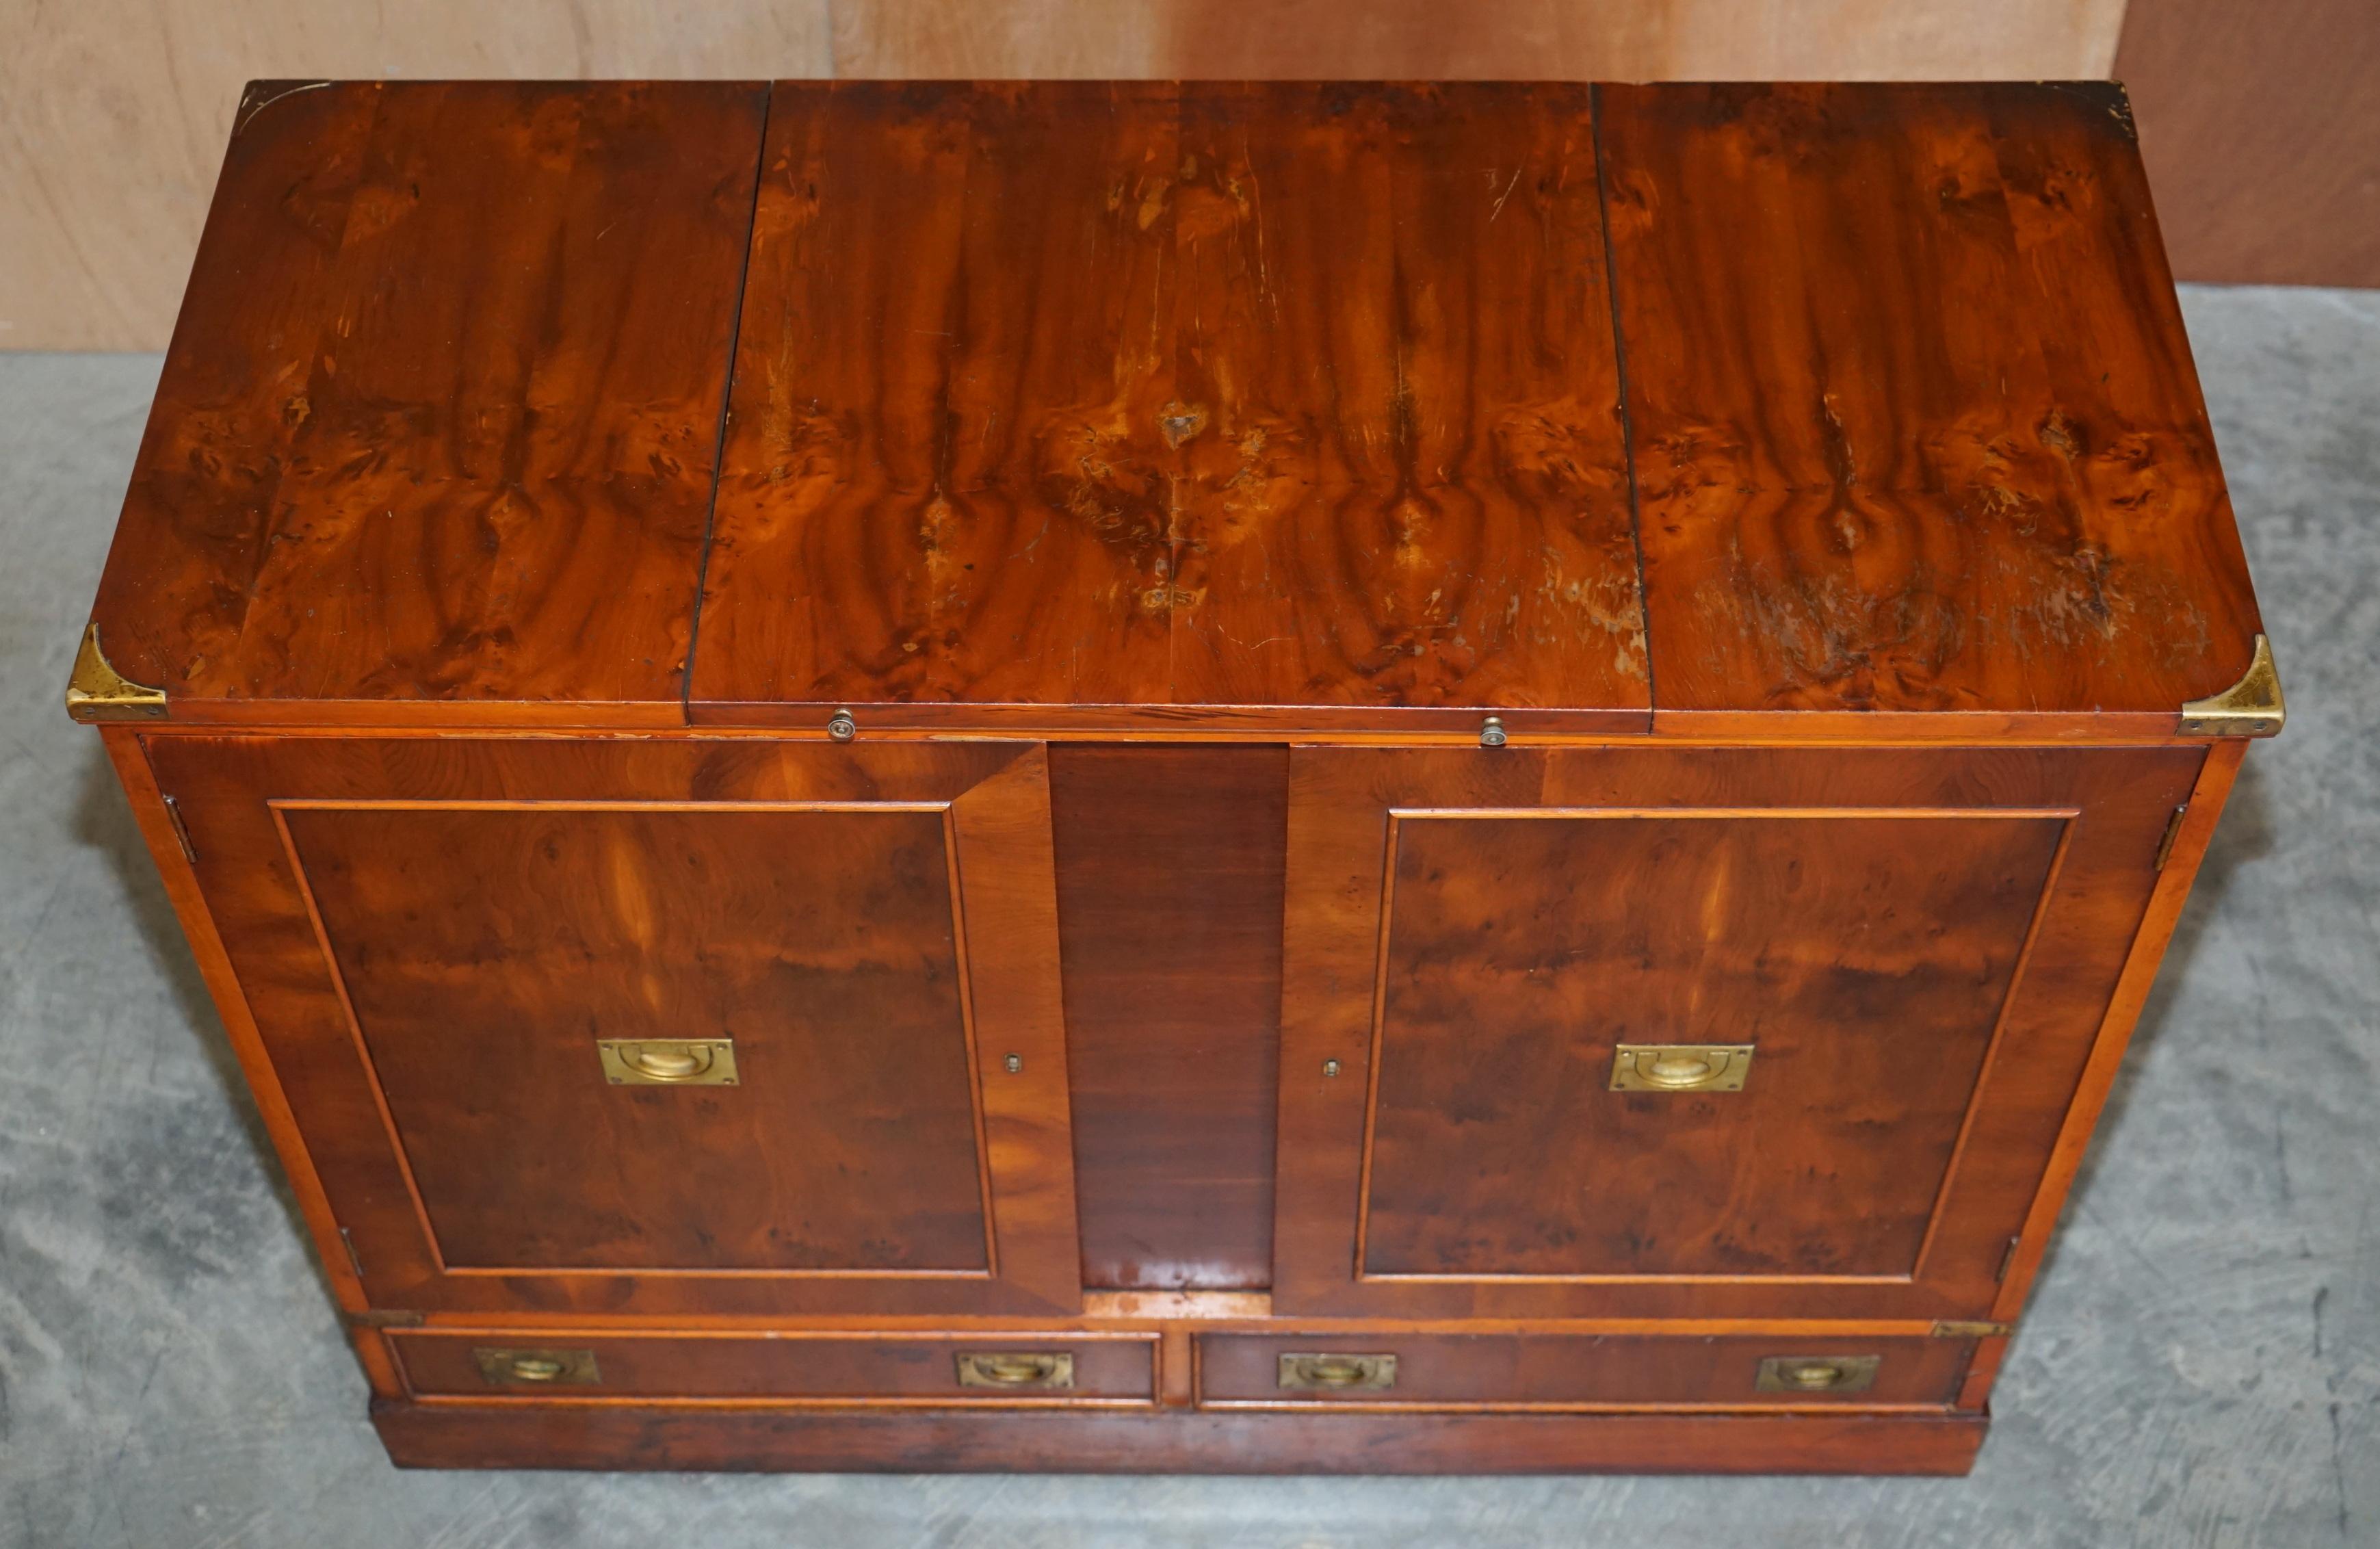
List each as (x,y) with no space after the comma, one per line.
(844,1369)
(487,927)
(482,950)
(495,1435)
(2261,131)
(1145,408)
(1866,955)
(1915,422)
(438,426)
(1147,394)
(1168,923)
(1519,1371)
(1159,964)
(1627,1227)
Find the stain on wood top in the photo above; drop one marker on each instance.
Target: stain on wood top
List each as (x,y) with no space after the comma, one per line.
(1115,405)
(1915,420)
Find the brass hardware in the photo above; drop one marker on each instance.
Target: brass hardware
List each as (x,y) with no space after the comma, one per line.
(536,1367)
(1957,1328)
(1491,732)
(96,691)
(2008,1261)
(2172,831)
(1680,1067)
(2251,707)
(1331,1068)
(841,728)
(374,1318)
(668,1062)
(1335,1373)
(1013,1368)
(1818,1373)
(181,831)
(1012,1064)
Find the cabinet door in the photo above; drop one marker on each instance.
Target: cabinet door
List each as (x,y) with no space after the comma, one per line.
(1863,984)
(655,1027)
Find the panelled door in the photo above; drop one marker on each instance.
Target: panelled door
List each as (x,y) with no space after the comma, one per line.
(667,1026)
(1710,1032)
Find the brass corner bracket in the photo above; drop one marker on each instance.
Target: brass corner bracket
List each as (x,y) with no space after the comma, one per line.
(2250,707)
(98,692)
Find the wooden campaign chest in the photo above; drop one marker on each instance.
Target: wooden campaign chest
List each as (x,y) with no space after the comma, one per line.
(1141,776)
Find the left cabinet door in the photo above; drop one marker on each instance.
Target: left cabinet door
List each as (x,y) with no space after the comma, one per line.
(733,1027)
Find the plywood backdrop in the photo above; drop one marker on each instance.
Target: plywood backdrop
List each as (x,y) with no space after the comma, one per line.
(114,113)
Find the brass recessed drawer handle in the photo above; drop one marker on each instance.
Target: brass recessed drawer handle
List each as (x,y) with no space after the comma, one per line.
(1014,1369)
(1680,1067)
(505,1368)
(1335,1373)
(668,1062)
(1818,1373)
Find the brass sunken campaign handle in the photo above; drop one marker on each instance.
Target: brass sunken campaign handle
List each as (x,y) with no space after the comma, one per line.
(1818,1373)
(1336,1373)
(1016,1369)
(668,1062)
(1680,1067)
(501,1368)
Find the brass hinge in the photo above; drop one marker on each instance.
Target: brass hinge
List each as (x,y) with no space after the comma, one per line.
(2172,831)
(374,1318)
(96,691)
(2251,707)
(1957,1328)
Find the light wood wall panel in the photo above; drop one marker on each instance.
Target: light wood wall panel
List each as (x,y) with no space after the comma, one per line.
(114,113)
(2260,128)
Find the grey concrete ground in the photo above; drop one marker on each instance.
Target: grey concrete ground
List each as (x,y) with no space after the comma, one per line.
(2200,1366)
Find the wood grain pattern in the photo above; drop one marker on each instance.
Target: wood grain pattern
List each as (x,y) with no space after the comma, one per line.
(440,421)
(1913,417)
(2262,135)
(483,950)
(845,1369)
(1169,921)
(1866,955)
(659,1437)
(694,1204)
(1341,802)
(1557,1372)
(1154,395)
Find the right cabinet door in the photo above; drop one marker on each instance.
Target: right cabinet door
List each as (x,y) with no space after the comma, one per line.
(1699,1032)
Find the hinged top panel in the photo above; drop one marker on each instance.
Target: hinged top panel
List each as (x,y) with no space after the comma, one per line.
(1915,424)
(1082,408)
(435,436)
(1175,399)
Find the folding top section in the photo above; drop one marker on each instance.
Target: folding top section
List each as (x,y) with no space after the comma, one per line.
(438,426)
(1277,408)
(1175,399)
(1915,420)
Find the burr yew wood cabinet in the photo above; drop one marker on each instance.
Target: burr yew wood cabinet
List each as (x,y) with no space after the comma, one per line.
(1143,776)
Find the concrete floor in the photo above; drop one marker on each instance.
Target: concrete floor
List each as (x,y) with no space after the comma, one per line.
(2200,1365)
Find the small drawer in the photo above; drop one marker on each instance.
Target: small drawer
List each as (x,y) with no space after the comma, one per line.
(1576,1371)
(911,1368)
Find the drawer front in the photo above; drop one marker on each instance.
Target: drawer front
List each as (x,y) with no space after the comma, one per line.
(1577,1371)
(908,1369)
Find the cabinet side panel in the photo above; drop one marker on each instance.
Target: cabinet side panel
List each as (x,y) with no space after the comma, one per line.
(1168,918)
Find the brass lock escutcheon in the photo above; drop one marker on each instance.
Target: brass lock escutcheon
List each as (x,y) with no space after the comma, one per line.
(1332,1372)
(1016,1369)
(1818,1373)
(535,1368)
(1680,1067)
(668,1062)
